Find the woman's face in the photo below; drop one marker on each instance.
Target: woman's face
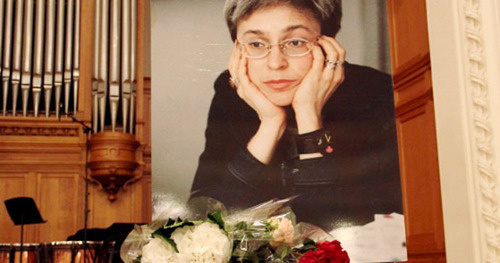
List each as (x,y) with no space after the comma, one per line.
(277,75)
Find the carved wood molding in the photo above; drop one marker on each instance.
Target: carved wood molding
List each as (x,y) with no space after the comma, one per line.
(412,69)
(480,126)
(413,93)
(39,127)
(38,131)
(112,161)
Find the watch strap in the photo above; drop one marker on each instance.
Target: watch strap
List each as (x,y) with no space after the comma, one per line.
(319,141)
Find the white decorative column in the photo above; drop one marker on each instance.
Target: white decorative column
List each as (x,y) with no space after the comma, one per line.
(464,40)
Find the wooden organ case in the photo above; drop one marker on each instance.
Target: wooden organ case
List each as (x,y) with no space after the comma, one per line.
(80,58)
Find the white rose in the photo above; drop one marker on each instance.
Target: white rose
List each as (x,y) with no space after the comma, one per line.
(284,231)
(203,243)
(158,251)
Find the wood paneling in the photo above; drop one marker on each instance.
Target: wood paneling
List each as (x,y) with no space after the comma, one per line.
(12,184)
(50,169)
(429,259)
(127,208)
(408,30)
(59,198)
(56,196)
(416,131)
(419,174)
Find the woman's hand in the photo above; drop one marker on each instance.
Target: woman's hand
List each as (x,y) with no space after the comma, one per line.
(272,117)
(319,84)
(266,110)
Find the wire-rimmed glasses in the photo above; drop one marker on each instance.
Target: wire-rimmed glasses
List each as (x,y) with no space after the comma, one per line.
(294,47)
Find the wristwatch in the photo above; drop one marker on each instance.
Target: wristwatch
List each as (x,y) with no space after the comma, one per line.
(319,141)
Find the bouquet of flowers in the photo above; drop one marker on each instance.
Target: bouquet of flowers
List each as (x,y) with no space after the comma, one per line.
(264,233)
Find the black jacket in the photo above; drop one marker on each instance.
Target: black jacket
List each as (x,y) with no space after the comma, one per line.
(360,178)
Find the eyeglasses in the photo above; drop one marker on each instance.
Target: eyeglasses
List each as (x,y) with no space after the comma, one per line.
(294,47)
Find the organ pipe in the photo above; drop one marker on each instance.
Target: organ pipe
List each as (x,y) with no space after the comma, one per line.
(68,54)
(114,85)
(4,89)
(27,54)
(76,56)
(38,55)
(16,60)
(58,77)
(103,65)
(48,80)
(96,69)
(7,51)
(125,74)
(40,48)
(133,41)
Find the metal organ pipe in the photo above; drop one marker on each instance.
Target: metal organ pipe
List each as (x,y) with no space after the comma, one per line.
(39,51)
(113,87)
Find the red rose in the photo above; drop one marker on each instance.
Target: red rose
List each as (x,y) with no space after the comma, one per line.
(326,252)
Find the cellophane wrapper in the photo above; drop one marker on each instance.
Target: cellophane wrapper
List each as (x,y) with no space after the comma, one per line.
(261,228)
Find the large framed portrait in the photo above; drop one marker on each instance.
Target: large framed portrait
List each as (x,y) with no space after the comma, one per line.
(208,136)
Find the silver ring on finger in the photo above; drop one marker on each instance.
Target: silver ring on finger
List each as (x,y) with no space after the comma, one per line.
(234,83)
(330,64)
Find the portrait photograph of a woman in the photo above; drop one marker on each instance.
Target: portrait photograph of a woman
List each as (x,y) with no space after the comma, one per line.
(289,116)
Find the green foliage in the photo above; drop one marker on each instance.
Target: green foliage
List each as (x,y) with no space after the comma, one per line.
(169,227)
(216,218)
(241,226)
(166,231)
(251,241)
(282,251)
(308,245)
(264,253)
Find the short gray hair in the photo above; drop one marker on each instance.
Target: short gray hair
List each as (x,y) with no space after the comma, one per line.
(327,12)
